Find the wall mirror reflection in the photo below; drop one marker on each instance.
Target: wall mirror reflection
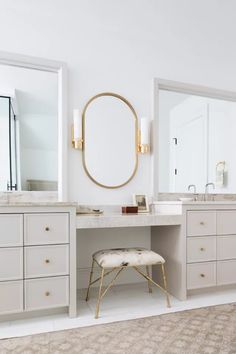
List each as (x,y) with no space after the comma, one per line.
(196,142)
(28,129)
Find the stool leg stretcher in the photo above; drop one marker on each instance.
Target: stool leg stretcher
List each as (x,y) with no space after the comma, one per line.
(101,293)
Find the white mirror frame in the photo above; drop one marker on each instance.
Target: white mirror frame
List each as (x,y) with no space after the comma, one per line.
(168,85)
(60,68)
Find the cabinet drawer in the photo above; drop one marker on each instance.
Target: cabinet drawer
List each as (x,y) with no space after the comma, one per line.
(226,222)
(201,275)
(226,247)
(226,272)
(201,223)
(11,297)
(11,230)
(11,263)
(45,261)
(46,228)
(200,249)
(46,293)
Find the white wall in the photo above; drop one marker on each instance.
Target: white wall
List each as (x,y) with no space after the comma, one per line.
(120,46)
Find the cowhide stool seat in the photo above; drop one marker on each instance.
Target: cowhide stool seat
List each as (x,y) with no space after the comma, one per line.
(110,260)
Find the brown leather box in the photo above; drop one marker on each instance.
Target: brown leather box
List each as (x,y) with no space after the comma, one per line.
(129,209)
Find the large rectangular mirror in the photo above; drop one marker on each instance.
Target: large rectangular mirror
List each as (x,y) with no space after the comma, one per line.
(196,140)
(32,108)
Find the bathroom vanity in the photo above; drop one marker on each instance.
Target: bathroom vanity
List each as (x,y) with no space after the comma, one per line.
(38,251)
(37,257)
(209,244)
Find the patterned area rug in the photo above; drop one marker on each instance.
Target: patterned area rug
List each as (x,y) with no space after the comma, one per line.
(209,330)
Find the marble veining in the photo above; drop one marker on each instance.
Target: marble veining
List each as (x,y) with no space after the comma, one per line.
(176,196)
(26,196)
(125,220)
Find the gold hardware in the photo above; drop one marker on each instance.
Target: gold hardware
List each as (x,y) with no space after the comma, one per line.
(47,293)
(84,143)
(201,223)
(142,148)
(76,143)
(202,249)
(47,261)
(202,275)
(47,228)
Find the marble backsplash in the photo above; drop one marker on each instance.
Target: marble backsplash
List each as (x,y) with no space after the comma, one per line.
(200,196)
(25,196)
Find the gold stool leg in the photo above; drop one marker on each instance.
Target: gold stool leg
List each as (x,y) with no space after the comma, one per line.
(149,283)
(99,294)
(165,284)
(90,280)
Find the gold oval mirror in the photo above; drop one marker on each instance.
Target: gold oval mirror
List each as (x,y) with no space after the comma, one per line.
(110,139)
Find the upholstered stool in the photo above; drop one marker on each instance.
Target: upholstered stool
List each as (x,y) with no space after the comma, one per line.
(120,258)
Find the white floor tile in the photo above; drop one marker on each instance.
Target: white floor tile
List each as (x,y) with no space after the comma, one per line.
(123,302)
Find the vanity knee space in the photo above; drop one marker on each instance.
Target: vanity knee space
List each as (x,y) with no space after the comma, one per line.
(211,248)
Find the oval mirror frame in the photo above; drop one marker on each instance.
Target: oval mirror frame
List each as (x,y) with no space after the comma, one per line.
(124,100)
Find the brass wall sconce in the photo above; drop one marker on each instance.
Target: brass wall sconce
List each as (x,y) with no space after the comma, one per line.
(143,137)
(77,140)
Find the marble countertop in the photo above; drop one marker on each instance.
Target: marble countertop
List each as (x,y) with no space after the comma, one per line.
(192,202)
(110,220)
(38,204)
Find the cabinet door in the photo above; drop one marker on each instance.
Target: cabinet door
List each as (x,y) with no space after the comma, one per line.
(201,275)
(11,230)
(50,228)
(200,249)
(201,223)
(226,222)
(11,263)
(46,293)
(226,247)
(226,272)
(45,261)
(11,297)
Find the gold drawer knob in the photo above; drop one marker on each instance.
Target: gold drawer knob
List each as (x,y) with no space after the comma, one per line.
(47,261)
(202,275)
(47,228)
(201,222)
(47,293)
(202,249)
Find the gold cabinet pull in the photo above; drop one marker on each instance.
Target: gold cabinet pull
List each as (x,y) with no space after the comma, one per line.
(202,275)
(202,249)
(47,293)
(47,228)
(47,261)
